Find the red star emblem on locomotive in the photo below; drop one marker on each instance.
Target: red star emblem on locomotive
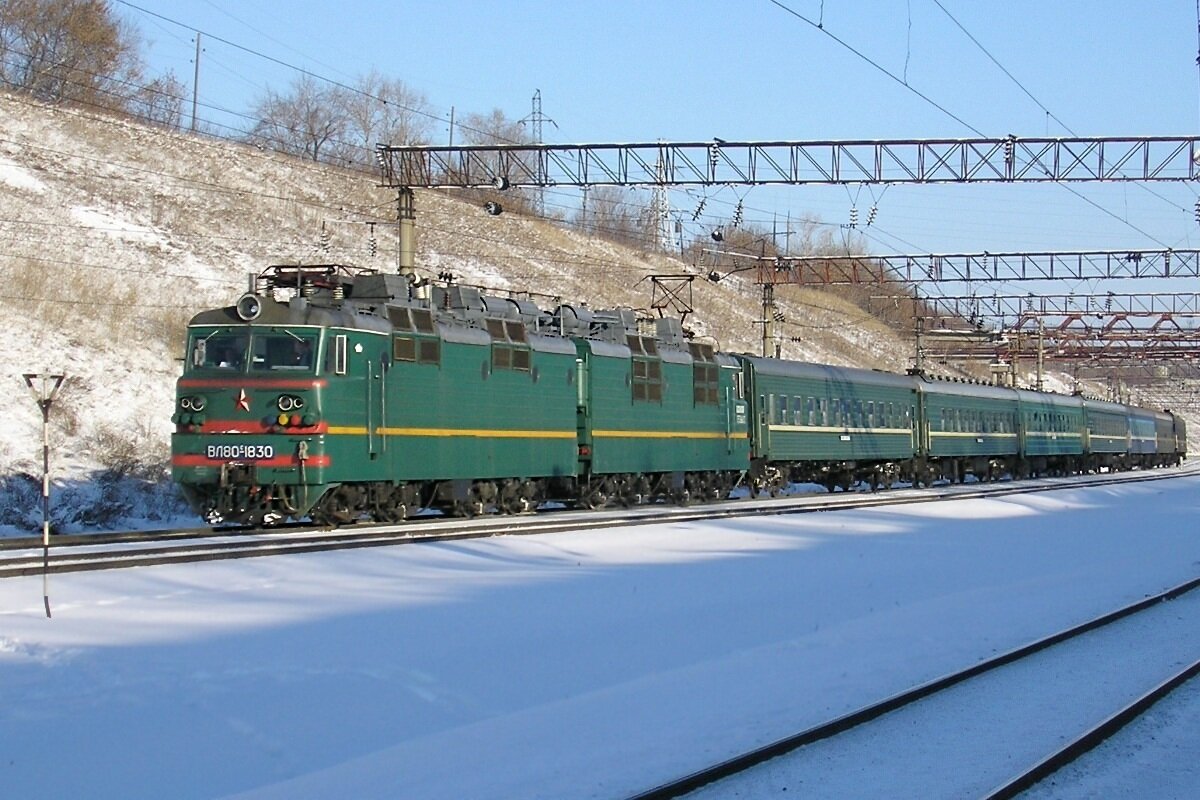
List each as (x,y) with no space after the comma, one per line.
(243,400)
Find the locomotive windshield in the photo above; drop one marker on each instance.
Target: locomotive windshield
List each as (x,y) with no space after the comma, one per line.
(225,350)
(261,351)
(283,351)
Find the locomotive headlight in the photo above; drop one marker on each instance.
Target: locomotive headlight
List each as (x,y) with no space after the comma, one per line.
(192,403)
(288,402)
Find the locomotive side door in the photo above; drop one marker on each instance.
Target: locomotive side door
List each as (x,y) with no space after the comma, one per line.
(583,407)
(375,405)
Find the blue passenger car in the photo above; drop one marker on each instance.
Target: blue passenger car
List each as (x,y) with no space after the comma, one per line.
(1051,433)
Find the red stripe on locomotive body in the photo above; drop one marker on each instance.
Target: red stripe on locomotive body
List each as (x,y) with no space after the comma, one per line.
(251,383)
(256,426)
(290,460)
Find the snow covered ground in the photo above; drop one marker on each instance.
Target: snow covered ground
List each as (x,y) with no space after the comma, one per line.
(554,666)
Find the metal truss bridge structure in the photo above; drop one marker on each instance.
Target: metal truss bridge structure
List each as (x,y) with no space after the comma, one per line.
(1097,311)
(717,162)
(979,267)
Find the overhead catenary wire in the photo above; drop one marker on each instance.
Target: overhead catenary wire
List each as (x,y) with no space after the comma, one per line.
(891,75)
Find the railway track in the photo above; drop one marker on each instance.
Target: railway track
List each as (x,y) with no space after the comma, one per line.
(26,556)
(810,755)
(1093,737)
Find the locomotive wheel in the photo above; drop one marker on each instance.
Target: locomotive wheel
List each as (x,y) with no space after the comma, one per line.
(595,499)
(597,494)
(339,507)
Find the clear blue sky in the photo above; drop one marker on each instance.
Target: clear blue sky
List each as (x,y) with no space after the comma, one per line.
(749,70)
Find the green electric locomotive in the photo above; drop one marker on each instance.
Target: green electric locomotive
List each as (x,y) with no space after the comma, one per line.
(339,394)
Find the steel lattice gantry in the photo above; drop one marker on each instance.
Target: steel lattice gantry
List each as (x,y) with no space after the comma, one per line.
(1004,160)
(1102,307)
(979,267)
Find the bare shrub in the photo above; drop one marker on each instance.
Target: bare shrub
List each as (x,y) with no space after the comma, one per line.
(68,409)
(20,501)
(138,453)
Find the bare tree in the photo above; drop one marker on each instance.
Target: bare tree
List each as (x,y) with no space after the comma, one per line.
(493,128)
(305,122)
(160,101)
(619,215)
(76,50)
(385,110)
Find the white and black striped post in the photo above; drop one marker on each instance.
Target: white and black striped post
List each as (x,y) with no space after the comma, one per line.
(44,395)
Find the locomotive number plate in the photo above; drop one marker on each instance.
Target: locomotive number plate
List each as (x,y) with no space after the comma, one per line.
(240,452)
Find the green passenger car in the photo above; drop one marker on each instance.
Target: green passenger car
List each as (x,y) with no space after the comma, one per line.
(829,425)
(1143,437)
(1051,432)
(968,428)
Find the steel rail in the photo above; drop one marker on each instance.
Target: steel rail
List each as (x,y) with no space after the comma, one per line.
(1093,737)
(746,761)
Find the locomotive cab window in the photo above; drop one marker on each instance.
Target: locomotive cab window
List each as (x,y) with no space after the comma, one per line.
(271,352)
(261,351)
(224,350)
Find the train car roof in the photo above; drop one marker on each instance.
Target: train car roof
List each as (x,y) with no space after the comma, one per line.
(1066,400)
(957,389)
(550,344)
(1105,405)
(827,372)
(598,347)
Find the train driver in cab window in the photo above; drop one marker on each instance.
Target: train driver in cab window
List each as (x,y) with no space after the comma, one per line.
(301,353)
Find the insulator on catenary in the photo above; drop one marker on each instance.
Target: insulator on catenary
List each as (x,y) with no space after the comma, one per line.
(854,216)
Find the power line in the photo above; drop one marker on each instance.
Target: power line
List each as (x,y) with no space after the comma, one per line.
(878,67)
(941,108)
(1003,69)
(304,71)
(1043,107)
